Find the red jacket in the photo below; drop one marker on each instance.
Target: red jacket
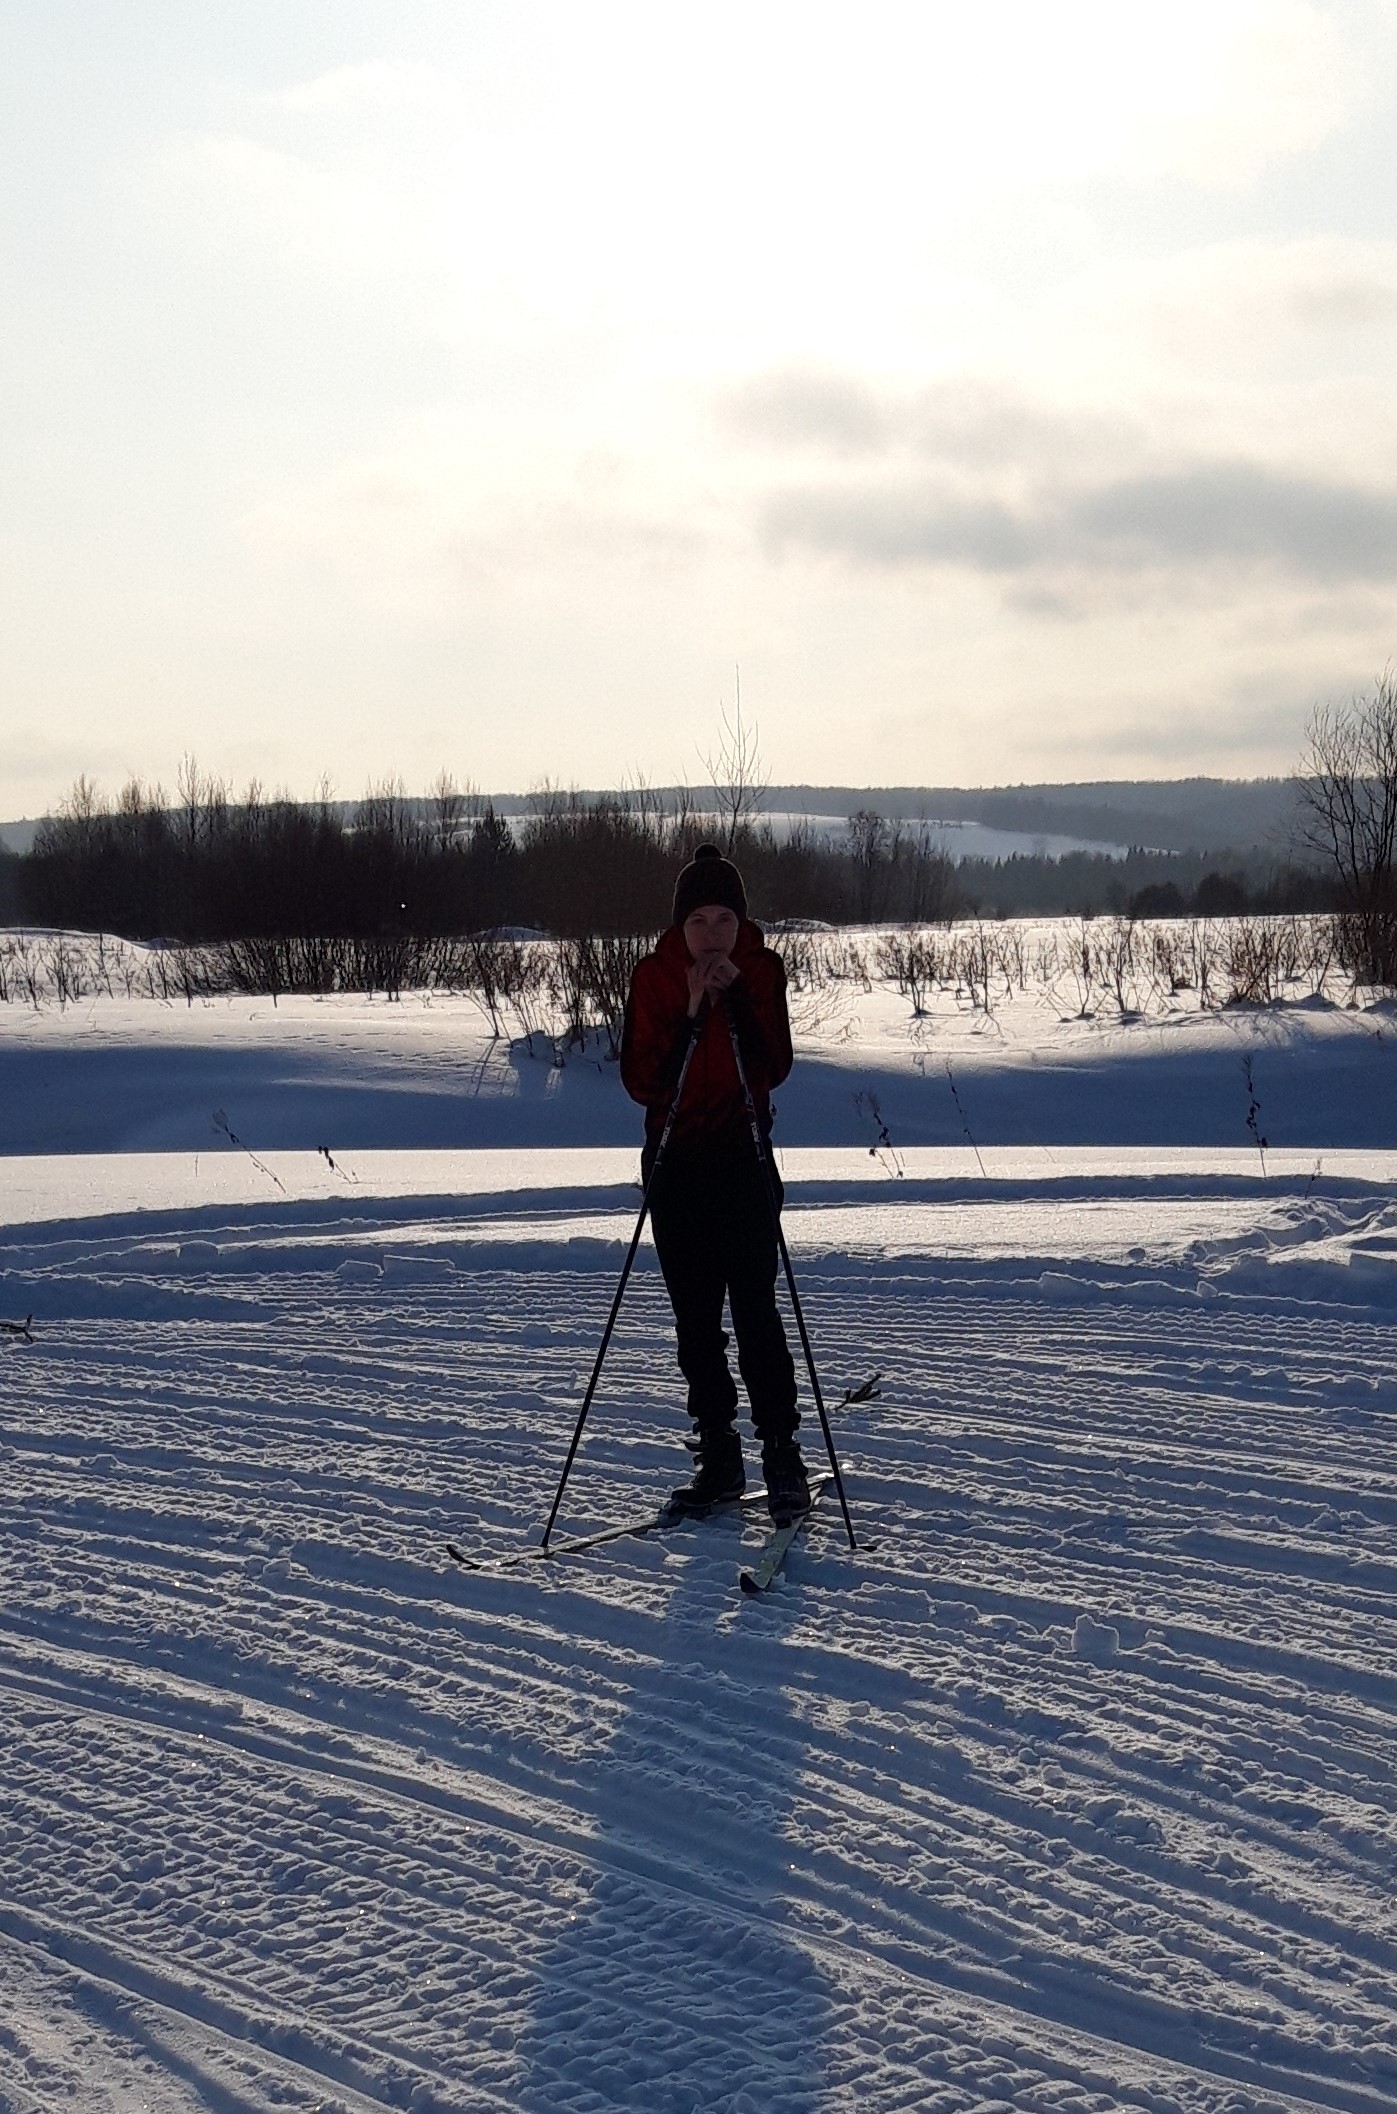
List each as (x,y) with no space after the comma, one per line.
(656,1031)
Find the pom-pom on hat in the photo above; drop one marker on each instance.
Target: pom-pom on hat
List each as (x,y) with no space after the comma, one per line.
(709,878)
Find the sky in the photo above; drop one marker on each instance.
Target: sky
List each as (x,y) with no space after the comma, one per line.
(999,394)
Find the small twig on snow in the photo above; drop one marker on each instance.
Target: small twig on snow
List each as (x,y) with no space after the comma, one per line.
(852,1396)
(220,1122)
(951,1082)
(1253,1113)
(885,1144)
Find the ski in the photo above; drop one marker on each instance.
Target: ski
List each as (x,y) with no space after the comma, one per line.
(764,1572)
(633,1530)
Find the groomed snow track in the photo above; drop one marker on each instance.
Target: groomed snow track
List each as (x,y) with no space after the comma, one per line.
(1077,1794)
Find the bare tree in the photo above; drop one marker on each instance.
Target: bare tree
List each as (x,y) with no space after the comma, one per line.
(1347,784)
(680,825)
(450,808)
(203,809)
(386,812)
(931,893)
(738,779)
(189,784)
(871,846)
(77,825)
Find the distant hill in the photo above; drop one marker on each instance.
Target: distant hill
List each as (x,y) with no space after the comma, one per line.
(1180,814)
(1170,814)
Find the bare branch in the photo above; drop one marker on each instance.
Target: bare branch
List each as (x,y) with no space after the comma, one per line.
(1347,787)
(738,778)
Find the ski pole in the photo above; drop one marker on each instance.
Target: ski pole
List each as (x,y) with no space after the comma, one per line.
(695,1029)
(769,1184)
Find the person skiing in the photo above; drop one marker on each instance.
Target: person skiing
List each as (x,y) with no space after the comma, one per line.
(712,975)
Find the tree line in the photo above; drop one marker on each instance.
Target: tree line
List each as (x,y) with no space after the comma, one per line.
(1142,884)
(10,898)
(206,868)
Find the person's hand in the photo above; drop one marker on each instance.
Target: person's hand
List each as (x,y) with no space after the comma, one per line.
(709,976)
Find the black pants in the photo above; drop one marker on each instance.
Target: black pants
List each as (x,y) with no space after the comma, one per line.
(715,1240)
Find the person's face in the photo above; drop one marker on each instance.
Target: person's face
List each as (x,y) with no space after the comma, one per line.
(710,930)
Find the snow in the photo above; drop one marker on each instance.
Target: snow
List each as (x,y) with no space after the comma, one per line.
(1073,1790)
(957,837)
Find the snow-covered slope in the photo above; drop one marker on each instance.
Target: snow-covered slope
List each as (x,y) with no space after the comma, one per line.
(1073,1790)
(355,1074)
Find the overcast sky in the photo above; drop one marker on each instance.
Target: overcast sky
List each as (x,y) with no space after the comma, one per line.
(1007,389)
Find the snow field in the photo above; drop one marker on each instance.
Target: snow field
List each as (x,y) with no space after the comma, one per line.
(1075,1793)
(1008,1057)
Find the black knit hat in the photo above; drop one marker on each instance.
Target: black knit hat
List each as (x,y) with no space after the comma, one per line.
(709,878)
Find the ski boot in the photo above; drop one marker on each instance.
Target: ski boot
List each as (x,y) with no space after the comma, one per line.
(718,1477)
(787,1485)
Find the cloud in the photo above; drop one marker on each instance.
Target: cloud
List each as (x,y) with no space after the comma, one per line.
(808,407)
(399,87)
(1255,308)
(1112,359)
(973,422)
(1240,512)
(1228,514)
(233,188)
(888,526)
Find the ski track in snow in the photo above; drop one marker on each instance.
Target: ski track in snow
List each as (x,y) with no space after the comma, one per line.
(1076,1792)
